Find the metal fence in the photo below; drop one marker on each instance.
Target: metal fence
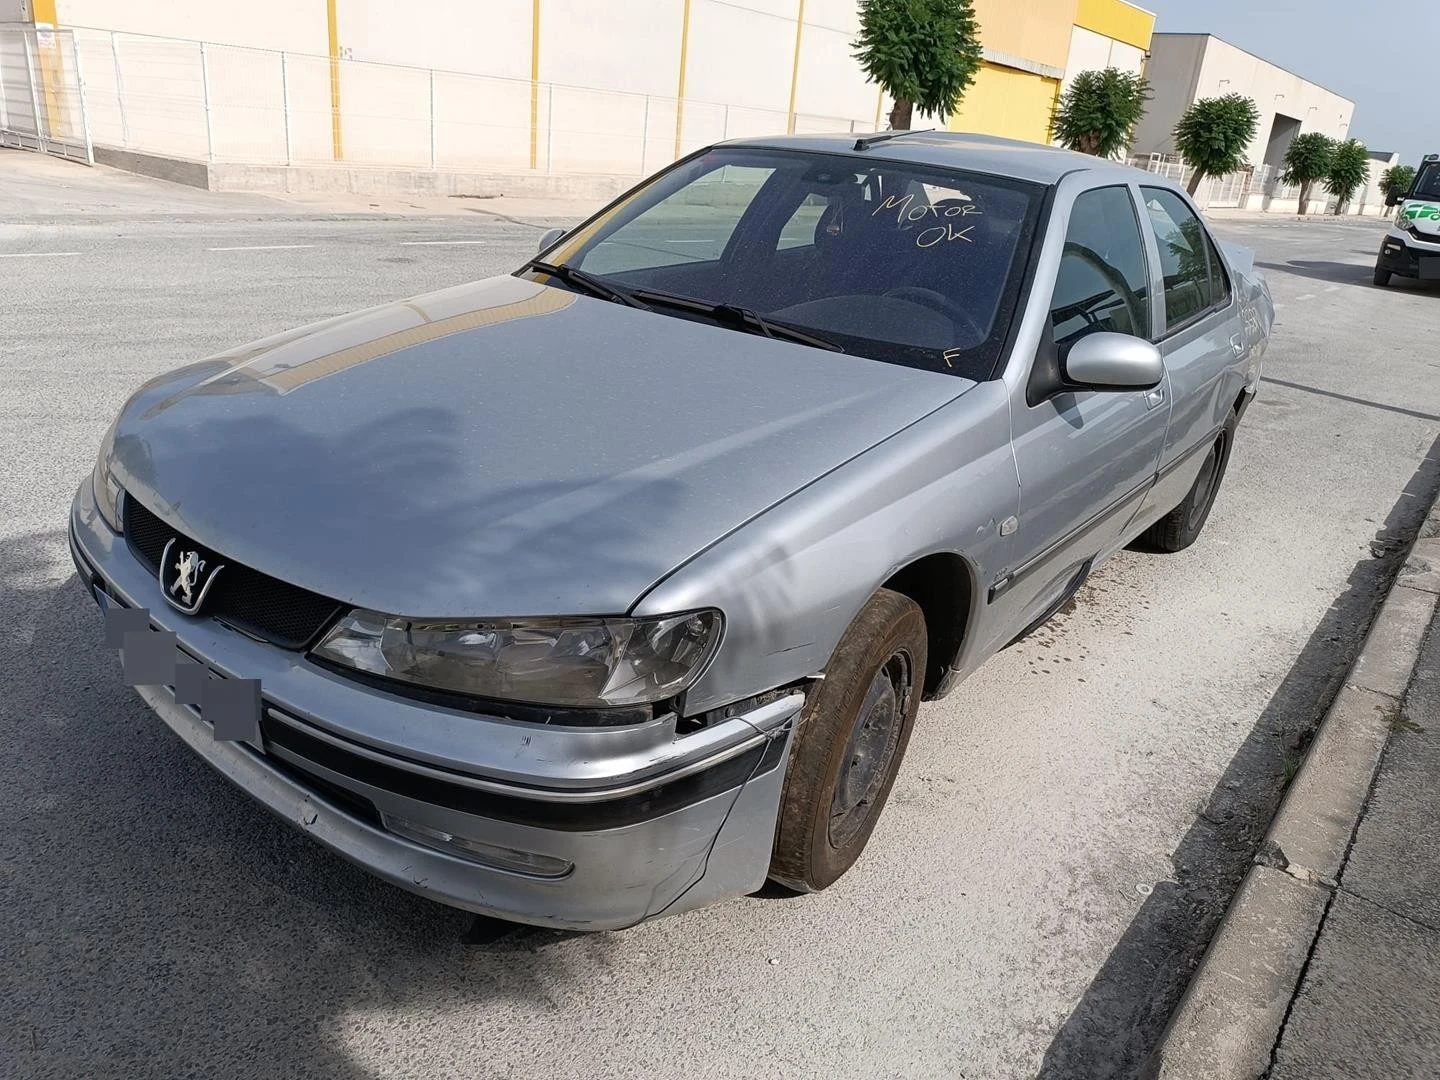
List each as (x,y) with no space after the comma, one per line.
(42,94)
(1261,188)
(225,103)
(1233,189)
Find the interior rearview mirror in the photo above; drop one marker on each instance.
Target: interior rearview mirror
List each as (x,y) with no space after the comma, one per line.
(550,237)
(1106,361)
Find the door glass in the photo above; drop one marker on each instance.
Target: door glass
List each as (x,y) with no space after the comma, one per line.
(1219,281)
(1103,281)
(691,225)
(1184,262)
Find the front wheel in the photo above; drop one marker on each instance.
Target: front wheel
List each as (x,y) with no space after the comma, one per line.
(1179,529)
(1382,276)
(849,744)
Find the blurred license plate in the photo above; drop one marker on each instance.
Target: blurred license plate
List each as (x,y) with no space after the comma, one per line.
(1430,268)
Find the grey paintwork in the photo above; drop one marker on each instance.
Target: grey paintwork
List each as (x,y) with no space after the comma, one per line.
(497,425)
(509,448)
(1107,361)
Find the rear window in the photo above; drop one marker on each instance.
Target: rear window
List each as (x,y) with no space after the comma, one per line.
(905,264)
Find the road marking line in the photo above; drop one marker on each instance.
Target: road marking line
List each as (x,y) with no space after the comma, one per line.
(34,254)
(262,247)
(1306,296)
(436,243)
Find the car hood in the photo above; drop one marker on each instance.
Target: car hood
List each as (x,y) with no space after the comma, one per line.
(500,448)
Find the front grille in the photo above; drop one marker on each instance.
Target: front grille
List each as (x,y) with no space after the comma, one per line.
(253,603)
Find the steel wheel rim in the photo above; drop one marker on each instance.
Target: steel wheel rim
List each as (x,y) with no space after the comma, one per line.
(870,750)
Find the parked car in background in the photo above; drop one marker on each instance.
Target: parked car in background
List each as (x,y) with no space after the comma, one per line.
(612,587)
(1411,247)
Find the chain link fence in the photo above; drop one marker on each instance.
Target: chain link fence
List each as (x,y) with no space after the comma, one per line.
(225,103)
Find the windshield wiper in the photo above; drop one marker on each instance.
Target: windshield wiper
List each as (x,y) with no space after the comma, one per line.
(742,317)
(572,275)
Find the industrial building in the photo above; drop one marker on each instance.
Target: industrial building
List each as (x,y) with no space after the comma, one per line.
(549,86)
(1184,68)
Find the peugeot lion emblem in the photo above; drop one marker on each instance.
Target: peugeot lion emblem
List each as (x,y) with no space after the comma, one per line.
(183,578)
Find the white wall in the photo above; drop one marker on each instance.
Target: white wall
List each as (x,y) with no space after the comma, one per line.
(448,84)
(297,25)
(1227,69)
(492,37)
(740,54)
(1090,51)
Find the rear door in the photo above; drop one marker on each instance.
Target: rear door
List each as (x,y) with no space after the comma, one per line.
(1202,339)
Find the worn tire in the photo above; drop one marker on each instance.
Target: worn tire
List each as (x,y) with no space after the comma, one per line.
(1382,277)
(1179,529)
(887,639)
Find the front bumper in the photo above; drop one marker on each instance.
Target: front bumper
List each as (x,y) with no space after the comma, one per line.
(1402,254)
(653,823)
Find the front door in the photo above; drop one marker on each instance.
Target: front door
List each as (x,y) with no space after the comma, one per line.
(1085,458)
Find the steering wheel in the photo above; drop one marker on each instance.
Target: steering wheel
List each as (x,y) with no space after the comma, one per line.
(937,301)
(1139,325)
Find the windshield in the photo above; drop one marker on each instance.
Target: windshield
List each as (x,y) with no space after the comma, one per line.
(1427,184)
(906,264)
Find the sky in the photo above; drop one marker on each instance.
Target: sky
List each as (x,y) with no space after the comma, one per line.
(1385,57)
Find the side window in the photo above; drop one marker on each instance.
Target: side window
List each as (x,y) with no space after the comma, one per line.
(1185,254)
(692,225)
(1219,279)
(1104,279)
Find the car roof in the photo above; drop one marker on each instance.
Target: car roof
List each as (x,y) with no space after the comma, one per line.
(957,150)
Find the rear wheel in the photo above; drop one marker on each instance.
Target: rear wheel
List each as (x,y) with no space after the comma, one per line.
(1179,529)
(851,739)
(1382,276)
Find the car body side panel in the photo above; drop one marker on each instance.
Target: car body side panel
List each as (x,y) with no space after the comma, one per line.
(791,581)
(1085,459)
(1208,365)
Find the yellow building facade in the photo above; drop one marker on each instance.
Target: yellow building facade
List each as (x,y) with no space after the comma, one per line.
(1031,51)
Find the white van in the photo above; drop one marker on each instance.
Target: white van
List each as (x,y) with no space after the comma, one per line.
(1411,247)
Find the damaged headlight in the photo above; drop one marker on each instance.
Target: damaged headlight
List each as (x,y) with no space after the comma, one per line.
(587,663)
(107,488)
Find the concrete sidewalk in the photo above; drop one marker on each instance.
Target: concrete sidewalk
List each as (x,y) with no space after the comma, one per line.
(1327,964)
(1368,1005)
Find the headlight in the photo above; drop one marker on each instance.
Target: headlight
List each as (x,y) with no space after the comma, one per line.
(591,663)
(107,489)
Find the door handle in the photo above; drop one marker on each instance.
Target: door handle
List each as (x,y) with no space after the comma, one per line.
(1237,344)
(1155,397)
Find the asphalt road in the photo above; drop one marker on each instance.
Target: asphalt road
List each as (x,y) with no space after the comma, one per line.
(1058,845)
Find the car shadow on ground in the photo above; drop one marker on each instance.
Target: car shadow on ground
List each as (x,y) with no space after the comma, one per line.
(1321,270)
(1341,273)
(1117,1026)
(161,923)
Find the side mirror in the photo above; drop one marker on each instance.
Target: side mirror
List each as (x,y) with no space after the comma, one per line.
(1106,361)
(549,238)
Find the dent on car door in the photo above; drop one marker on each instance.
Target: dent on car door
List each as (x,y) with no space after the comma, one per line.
(1085,458)
(1203,341)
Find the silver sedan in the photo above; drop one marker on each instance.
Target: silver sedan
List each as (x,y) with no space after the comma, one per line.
(612,587)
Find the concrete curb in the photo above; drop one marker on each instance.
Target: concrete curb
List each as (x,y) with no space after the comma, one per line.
(1227,1023)
(372,180)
